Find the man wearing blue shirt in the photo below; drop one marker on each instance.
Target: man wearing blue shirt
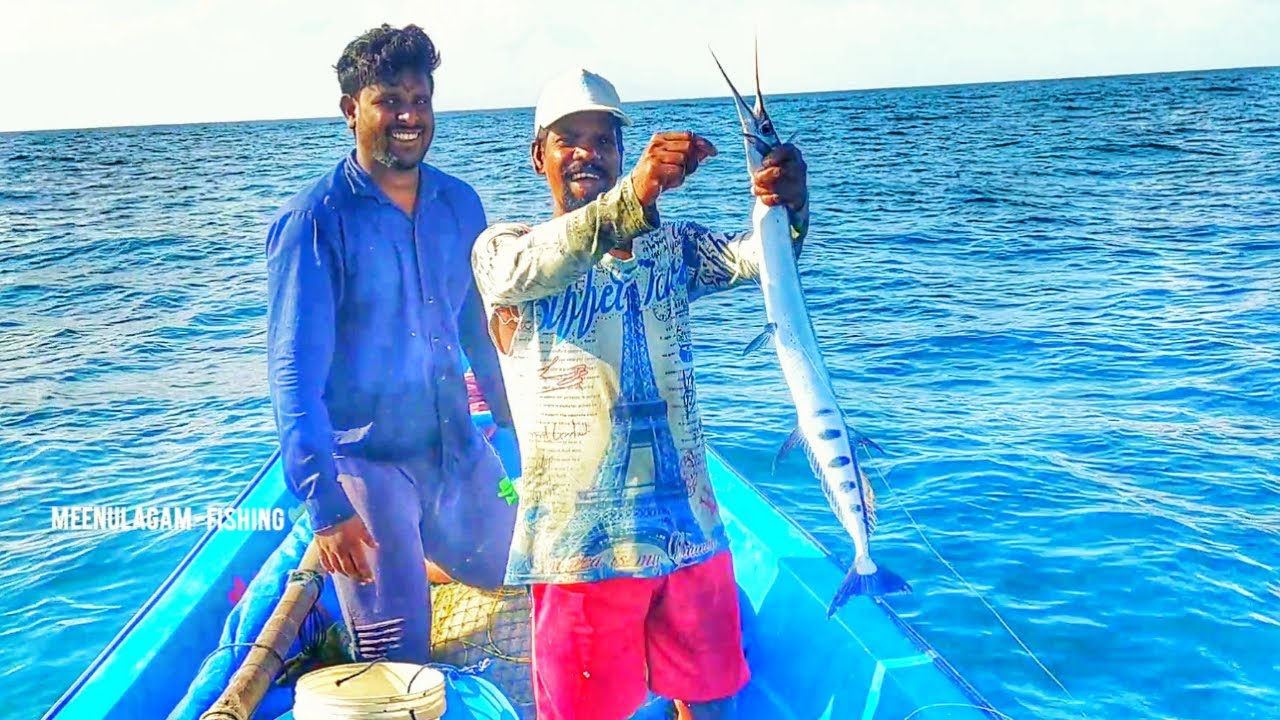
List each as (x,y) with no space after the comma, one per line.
(371,302)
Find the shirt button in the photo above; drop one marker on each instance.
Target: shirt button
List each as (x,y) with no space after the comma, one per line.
(413,334)
(430,300)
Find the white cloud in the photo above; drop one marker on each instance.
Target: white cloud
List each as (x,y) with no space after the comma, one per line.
(76,63)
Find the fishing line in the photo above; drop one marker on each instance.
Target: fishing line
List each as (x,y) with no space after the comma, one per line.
(972,589)
(967,706)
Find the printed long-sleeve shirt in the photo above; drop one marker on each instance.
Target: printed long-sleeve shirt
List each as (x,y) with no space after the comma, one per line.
(600,378)
(369,311)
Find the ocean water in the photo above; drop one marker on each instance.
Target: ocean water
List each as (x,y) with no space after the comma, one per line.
(1053,304)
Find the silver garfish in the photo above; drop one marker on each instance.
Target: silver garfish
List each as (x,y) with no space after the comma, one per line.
(822,430)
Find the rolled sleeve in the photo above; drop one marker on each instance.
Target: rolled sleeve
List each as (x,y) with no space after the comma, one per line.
(516,263)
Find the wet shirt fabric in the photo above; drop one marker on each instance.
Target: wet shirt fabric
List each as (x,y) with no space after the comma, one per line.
(369,312)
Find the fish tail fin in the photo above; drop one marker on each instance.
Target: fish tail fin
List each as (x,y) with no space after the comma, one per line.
(880,581)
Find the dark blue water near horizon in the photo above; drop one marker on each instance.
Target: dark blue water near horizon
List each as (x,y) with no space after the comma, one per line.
(1054,304)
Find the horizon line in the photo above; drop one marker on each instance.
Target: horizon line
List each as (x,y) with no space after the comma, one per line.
(482,109)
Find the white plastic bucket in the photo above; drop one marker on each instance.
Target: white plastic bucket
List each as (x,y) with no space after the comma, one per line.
(379,692)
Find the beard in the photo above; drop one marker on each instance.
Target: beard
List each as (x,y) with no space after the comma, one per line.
(572,202)
(391,161)
(398,156)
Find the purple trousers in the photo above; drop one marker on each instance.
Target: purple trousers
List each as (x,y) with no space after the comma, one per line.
(414,512)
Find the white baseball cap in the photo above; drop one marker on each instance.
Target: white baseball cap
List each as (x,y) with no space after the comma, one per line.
(577,90)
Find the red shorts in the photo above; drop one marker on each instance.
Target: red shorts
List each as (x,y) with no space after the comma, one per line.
(599,647)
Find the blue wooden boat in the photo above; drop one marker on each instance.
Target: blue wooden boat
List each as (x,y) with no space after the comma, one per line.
(864,663)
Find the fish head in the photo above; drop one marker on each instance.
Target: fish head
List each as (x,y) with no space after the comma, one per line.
(759,135)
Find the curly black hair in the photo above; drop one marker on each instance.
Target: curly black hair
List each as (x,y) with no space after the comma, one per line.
(382,54)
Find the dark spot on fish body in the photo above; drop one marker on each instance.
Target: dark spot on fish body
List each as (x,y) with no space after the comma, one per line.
(829,434)
(848,486)
(825,411)
(839,462)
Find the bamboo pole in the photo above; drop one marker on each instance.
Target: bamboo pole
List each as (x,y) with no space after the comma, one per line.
(251,681)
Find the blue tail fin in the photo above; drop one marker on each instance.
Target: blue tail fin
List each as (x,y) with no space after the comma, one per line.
(882,582)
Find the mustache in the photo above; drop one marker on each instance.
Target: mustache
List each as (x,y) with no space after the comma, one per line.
(593,168)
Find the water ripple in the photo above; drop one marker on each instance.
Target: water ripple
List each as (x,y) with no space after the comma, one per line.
(1053,304)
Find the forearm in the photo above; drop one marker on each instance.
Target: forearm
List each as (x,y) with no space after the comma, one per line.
(720,260)
(306,452)
(515,264)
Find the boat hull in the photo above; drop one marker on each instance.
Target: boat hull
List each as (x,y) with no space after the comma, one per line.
(866,662)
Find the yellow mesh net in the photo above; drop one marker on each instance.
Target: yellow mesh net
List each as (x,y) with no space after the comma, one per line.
(469,625)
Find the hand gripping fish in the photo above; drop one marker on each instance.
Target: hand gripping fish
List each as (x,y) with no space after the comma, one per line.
(822,430)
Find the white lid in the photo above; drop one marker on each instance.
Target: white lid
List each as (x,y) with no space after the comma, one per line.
(381,690)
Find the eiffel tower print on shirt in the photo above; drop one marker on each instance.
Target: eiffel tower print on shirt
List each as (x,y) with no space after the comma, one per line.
(620,510)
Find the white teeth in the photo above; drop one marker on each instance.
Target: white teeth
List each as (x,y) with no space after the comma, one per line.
(405,135)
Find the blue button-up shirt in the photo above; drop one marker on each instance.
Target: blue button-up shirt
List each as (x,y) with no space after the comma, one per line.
(369,311)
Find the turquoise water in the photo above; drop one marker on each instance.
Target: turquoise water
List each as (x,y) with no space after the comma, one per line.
(1053,304)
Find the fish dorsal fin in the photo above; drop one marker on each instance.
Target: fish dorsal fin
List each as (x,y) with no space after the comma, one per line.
(868,499)
(761,339)
(864,441)
(868,493)
(794,439)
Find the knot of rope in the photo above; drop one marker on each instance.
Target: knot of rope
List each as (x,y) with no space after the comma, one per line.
(227,646)
(307,576)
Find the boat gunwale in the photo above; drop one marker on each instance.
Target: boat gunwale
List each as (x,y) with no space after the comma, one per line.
(941,663)
(909,632)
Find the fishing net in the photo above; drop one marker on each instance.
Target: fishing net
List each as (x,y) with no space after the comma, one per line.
(470,625)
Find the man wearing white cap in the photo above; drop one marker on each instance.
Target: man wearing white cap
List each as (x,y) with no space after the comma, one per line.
(618,532)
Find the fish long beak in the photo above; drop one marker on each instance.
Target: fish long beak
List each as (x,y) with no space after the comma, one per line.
(756,126)
(745,114)
(760,114)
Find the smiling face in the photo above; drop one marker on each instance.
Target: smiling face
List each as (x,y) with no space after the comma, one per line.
(393,122)
(581,157)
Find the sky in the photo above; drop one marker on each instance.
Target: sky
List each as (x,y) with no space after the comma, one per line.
(96,63)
